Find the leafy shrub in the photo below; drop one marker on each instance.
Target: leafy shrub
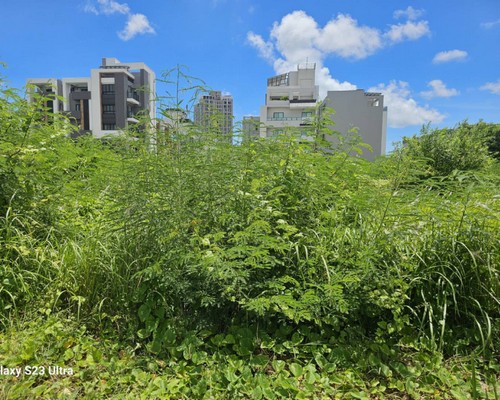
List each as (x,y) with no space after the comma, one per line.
(461,148)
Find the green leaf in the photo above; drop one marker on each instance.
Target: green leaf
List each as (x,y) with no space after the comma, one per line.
(296,369)
(144,311)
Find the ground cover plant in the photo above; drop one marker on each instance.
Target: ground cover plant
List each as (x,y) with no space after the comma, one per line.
(187,267)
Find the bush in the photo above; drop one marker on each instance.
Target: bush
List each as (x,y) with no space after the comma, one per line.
(463,148)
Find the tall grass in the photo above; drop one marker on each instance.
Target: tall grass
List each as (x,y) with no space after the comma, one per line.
(201,234)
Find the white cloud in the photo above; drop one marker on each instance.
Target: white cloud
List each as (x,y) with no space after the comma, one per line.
(137,24)
(408,31)
(265,49)
(90,8)
(107,7)
(295,37)
(450,55)
(489,25)
(410,13)
(493,87)
(298,38)
(326,82)
(439,89)
(344,37)
(403,109)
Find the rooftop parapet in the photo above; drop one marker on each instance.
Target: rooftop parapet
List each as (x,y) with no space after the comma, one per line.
(306,65)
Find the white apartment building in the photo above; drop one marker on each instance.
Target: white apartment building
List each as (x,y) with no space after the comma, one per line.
(290,100)
(114,97)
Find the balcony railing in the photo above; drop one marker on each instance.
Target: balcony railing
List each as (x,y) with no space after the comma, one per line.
(302,101)
(302,119)
(132,95)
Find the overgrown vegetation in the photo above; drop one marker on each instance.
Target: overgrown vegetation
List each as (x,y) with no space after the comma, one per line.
(271,269)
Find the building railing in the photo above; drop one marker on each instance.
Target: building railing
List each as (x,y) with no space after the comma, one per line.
(302,101)
(302,119)
(132,95)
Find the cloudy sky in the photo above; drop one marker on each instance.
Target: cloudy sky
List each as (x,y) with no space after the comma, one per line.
(435,61)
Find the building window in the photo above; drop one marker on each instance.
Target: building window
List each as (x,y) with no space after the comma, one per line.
(280,80)
(108,89)
(108,127)
(108,108)
(307,114)
(77,107)
(278,115)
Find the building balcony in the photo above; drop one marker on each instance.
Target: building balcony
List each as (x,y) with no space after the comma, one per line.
(303,101)
(309,103)
(285,119)
(278,103)
(301,120)
(131,118)
(133,101)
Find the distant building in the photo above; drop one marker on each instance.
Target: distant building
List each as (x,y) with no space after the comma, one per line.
(174,125)
(363,111)
(215,110)
(290,101)
(114,97)
(250,127)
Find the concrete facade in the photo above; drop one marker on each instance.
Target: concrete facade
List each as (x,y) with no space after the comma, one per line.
(363,111)
(49,88)
(290,101)
(250,127)
(113,98)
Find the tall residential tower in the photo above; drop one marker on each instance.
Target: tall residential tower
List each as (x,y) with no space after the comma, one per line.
(215,110)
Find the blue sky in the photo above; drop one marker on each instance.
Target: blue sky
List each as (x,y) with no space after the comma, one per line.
(436,61)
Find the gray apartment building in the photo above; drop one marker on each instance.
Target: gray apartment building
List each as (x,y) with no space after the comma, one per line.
(215,110)
(363,111)
(114,97)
